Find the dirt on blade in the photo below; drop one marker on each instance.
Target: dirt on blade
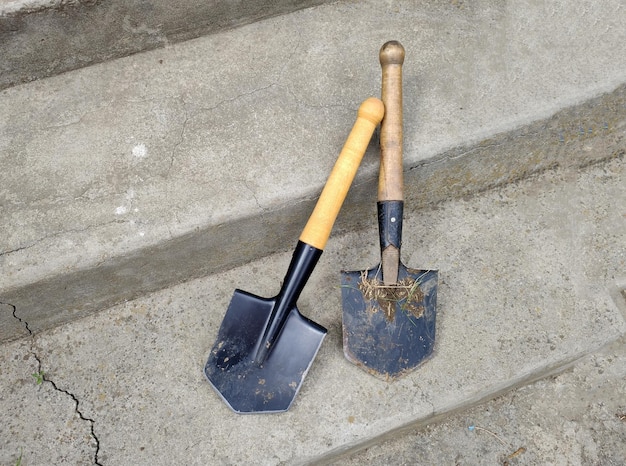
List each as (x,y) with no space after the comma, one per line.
(406,293)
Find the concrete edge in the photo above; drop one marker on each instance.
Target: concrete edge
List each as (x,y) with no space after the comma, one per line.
(465,405)
(39,38)
(579,136)
(617,291)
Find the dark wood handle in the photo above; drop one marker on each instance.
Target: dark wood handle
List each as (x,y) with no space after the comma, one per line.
(391,184)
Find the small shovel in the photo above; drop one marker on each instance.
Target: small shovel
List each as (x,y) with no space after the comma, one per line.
(265,347)
(389,310)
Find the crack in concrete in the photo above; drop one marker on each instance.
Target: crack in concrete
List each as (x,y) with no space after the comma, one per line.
(36,241)
(256,199)
(77,118)
(20,320)
(181,138)
(235,98)
(44,378)
(76,409)
(21,248)
(274,82)
(281,75)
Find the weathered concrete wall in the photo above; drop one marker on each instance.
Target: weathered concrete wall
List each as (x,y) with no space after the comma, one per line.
(128,176)
(39,39)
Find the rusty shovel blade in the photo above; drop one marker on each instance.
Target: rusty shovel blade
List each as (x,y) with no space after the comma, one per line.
(389,310)
(389,330)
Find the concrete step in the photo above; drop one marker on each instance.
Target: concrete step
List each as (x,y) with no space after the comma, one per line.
(575,417)
(136,174)
(40,38)
(531,282)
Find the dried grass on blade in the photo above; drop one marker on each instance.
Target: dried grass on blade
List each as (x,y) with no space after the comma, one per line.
(406,292)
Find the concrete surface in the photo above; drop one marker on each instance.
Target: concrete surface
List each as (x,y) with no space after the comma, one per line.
(44,412)
(577,417)
(531,283)
(40,38)
(135,174)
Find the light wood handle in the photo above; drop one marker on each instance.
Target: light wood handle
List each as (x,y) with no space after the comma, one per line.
(391,184)
(317,229)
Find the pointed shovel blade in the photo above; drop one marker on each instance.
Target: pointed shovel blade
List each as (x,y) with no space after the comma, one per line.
(249,387)
(388,331)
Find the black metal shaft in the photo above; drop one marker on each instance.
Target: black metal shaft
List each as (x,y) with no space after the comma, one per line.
(303,262)
(390,223)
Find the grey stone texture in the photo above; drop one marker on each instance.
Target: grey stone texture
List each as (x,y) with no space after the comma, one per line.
(530,280)
(132,175)
(137,193)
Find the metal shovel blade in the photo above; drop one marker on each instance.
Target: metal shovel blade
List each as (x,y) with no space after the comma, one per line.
(389,330)
(245,385)
(265,347)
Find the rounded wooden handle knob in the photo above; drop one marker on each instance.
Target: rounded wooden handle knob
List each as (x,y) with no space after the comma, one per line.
(391,53)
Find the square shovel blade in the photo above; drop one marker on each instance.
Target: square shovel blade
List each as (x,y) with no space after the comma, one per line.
(245,385)
(389,333)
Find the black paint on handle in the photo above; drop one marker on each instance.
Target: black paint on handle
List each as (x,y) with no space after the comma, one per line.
(390,223)
(303,262)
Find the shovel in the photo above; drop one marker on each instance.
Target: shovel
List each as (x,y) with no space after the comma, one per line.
(389,310)
(265,347)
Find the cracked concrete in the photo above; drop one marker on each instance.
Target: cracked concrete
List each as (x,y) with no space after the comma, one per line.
(123,180)
(528,278)
(45,379)
(163,160)
(43,412)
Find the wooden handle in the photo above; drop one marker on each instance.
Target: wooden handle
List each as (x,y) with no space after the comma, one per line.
(391,184)
(317,229)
